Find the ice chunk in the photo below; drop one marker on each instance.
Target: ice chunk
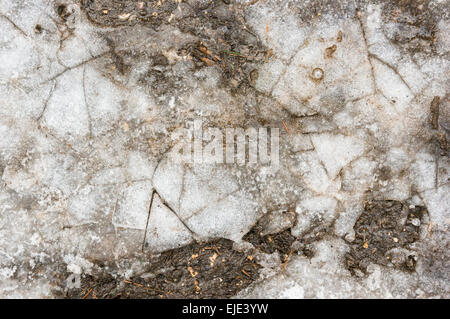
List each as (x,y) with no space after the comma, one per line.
(168,181)
(133,206)
(319,209)
(66,112)
(204,186)
(423,172)
(281,32)
(336,151)
(230,218)
(140,166)
(165,230)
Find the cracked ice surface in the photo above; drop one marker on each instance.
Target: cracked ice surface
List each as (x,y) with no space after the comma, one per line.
(85,172)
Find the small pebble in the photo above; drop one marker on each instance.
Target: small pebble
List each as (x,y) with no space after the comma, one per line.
(317,74)
(350,237)
(416,222)
(254,76)
(124,16)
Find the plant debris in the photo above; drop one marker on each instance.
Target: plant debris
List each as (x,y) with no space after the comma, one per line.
(220,36)
(206,270)
(383,234)
(269,243)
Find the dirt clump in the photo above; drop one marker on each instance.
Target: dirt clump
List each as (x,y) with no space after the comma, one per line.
(272,233)
(412,24)
(383,234)
(281,242)
(218,33)
(199,270)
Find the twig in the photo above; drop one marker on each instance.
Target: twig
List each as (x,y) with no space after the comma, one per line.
(287,130)
(87,294)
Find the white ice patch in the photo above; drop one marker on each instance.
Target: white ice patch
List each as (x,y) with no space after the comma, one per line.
(204,186)
(66,112)
(16,52)
(83,207)
(294,292)
(438,205)
(393,87)
(140,166)
(230,218)
(133,206)
(102,101)
(269,74)
(109,176)
(423,172)
(168,181)
(314,211)
(281,33)
(336,151)
(165,230)
(314,174)
(81,143)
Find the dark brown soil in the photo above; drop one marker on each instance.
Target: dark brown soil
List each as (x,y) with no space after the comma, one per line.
(199,270)
(415,23)
(220,35)
(207,270)
(383,233)
(271,243)
(111,13)
(283,241)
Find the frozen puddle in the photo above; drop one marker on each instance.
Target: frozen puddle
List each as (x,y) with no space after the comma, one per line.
(339,117)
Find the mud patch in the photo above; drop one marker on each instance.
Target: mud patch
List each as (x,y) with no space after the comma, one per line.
(412,24)
(383,234)
(208,270)
(218,32)
(272,233)
(267,238)
(109,13)
(281,242)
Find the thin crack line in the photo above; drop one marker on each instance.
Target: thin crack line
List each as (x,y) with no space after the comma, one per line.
(148,219)
(182,187)
(181,220)
(436,168)
(372,72)
(392,67)
(320,160)
(86,102)
(198,211)
(75,66)
(289,62)
(50,94)
(14,25)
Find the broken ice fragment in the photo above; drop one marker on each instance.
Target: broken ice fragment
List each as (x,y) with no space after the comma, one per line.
(165,230)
